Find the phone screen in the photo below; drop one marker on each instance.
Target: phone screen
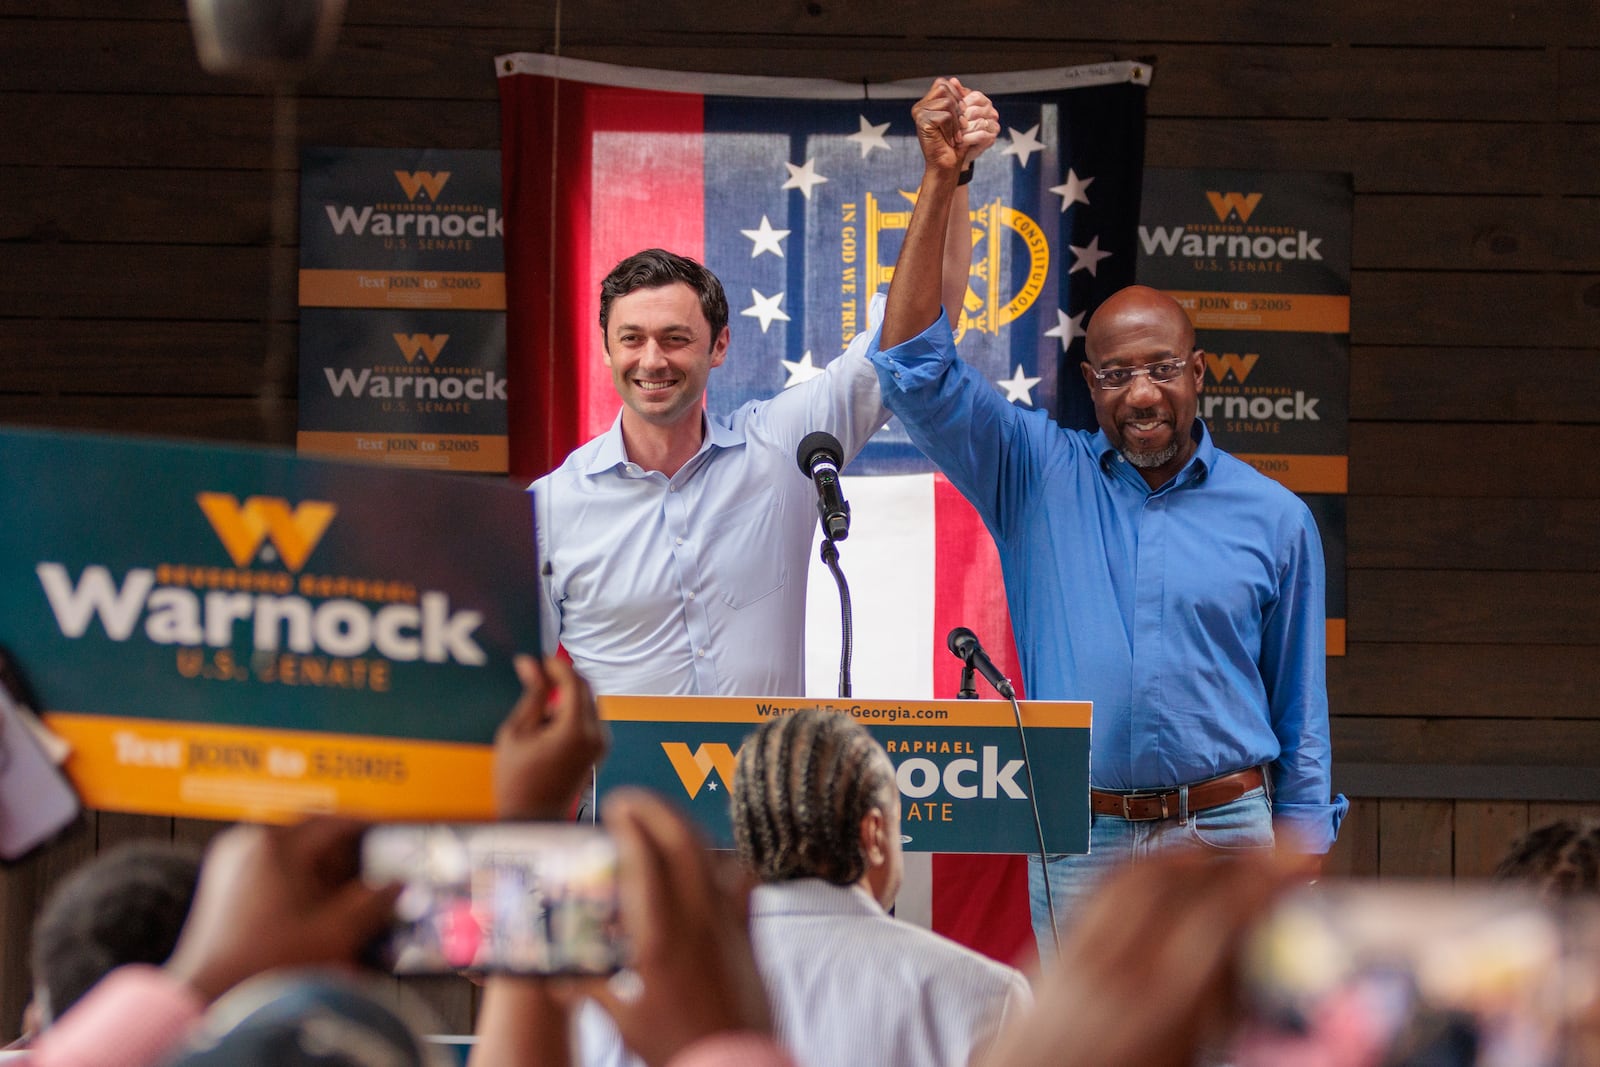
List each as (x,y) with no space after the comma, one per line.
(498,898)
(1411,973)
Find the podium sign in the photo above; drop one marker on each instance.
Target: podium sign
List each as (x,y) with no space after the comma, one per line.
(963,787)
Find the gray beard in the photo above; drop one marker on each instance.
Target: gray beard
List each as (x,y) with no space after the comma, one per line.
(1148,460)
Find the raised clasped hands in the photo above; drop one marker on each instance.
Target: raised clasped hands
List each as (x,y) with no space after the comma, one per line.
(955,125)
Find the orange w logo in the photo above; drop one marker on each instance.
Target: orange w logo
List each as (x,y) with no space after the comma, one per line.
(1231,363)
(243,528)
(411,344)
(694,769)
(413,182)
(1242,203)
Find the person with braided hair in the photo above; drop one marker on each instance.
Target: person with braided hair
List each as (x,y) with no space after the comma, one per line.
(816,819)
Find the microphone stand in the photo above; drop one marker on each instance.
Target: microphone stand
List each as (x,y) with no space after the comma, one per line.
(969,691)
(1038,826)
(830,556)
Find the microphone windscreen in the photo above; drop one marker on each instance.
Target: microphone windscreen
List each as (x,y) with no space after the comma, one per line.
(961,642)
(818,444)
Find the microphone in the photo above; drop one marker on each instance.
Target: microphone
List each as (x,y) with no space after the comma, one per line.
(820,456)
(964,644)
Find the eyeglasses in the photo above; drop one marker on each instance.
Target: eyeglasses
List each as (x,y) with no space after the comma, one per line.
(1122,377)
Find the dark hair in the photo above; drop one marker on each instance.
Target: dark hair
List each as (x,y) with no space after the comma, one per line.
(654,268)
(1562,858)
(126,905)
(801,787)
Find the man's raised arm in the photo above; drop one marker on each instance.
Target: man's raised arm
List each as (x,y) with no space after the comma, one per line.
(916,292)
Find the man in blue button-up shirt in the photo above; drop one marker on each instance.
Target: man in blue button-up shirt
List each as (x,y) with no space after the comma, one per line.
(1146,570)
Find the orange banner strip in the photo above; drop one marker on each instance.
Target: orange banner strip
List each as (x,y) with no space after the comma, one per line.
(938,713)
(1335,637)
(467,290)
(1303,474)
(1296,312)
(205,771)
(453,452)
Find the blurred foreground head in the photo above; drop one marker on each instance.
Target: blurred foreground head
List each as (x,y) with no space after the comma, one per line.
(306,1019)
(127,905)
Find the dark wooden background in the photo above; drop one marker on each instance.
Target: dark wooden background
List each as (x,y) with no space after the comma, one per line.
(135,206)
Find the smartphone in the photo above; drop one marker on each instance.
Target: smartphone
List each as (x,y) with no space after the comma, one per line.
(1400,973)
(36,800)
(526,899)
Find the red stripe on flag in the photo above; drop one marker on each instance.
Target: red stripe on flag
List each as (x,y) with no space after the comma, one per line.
(589,174)
(647,190)
(980,901)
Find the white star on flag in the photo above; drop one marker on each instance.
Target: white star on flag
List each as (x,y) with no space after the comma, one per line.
(1018,387)
(869,137)
(1067,327)
(1088,257)
(1074,190)
(766,239)
(803,178)
(766,309)
(1024,145)
(801,370)
(711,784)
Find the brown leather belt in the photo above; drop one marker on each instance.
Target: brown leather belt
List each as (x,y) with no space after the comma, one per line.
(1147,806)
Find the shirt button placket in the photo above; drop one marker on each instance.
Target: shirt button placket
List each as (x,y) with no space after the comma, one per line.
(686,556)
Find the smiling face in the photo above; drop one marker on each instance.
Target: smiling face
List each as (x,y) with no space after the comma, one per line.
(660,350)
(1149,422)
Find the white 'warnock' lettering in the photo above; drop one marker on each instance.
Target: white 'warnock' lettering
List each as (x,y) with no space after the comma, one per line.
(336,627)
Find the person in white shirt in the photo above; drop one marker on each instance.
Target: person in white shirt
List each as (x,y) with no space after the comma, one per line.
(816,817)
(674,547)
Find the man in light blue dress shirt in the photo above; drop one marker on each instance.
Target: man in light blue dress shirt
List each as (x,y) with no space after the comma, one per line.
(1146,570)
(675,546)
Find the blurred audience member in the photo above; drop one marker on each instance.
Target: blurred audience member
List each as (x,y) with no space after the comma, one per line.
(1562,859)
(126,905)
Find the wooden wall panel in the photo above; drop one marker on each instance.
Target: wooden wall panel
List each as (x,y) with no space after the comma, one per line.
(1473,533)
(1457,741)
(1476,233)
(138,357)
(1452,459)
(1504,158)
(205,418)
(1415,838)
(156,206)
(1427,383)
(1477,681)
(1483,834)
(1468,607)
(1355,853)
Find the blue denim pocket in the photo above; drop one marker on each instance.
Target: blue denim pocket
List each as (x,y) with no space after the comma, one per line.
(1245,823)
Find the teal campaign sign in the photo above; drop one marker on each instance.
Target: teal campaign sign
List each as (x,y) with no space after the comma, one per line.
(203,619)
(958,764)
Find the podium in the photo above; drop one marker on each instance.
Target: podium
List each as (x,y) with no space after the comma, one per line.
(958,763)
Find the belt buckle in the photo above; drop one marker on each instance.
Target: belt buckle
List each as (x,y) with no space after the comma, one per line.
(1127,812)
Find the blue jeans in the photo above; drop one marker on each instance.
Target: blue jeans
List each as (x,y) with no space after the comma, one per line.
(1242,824)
